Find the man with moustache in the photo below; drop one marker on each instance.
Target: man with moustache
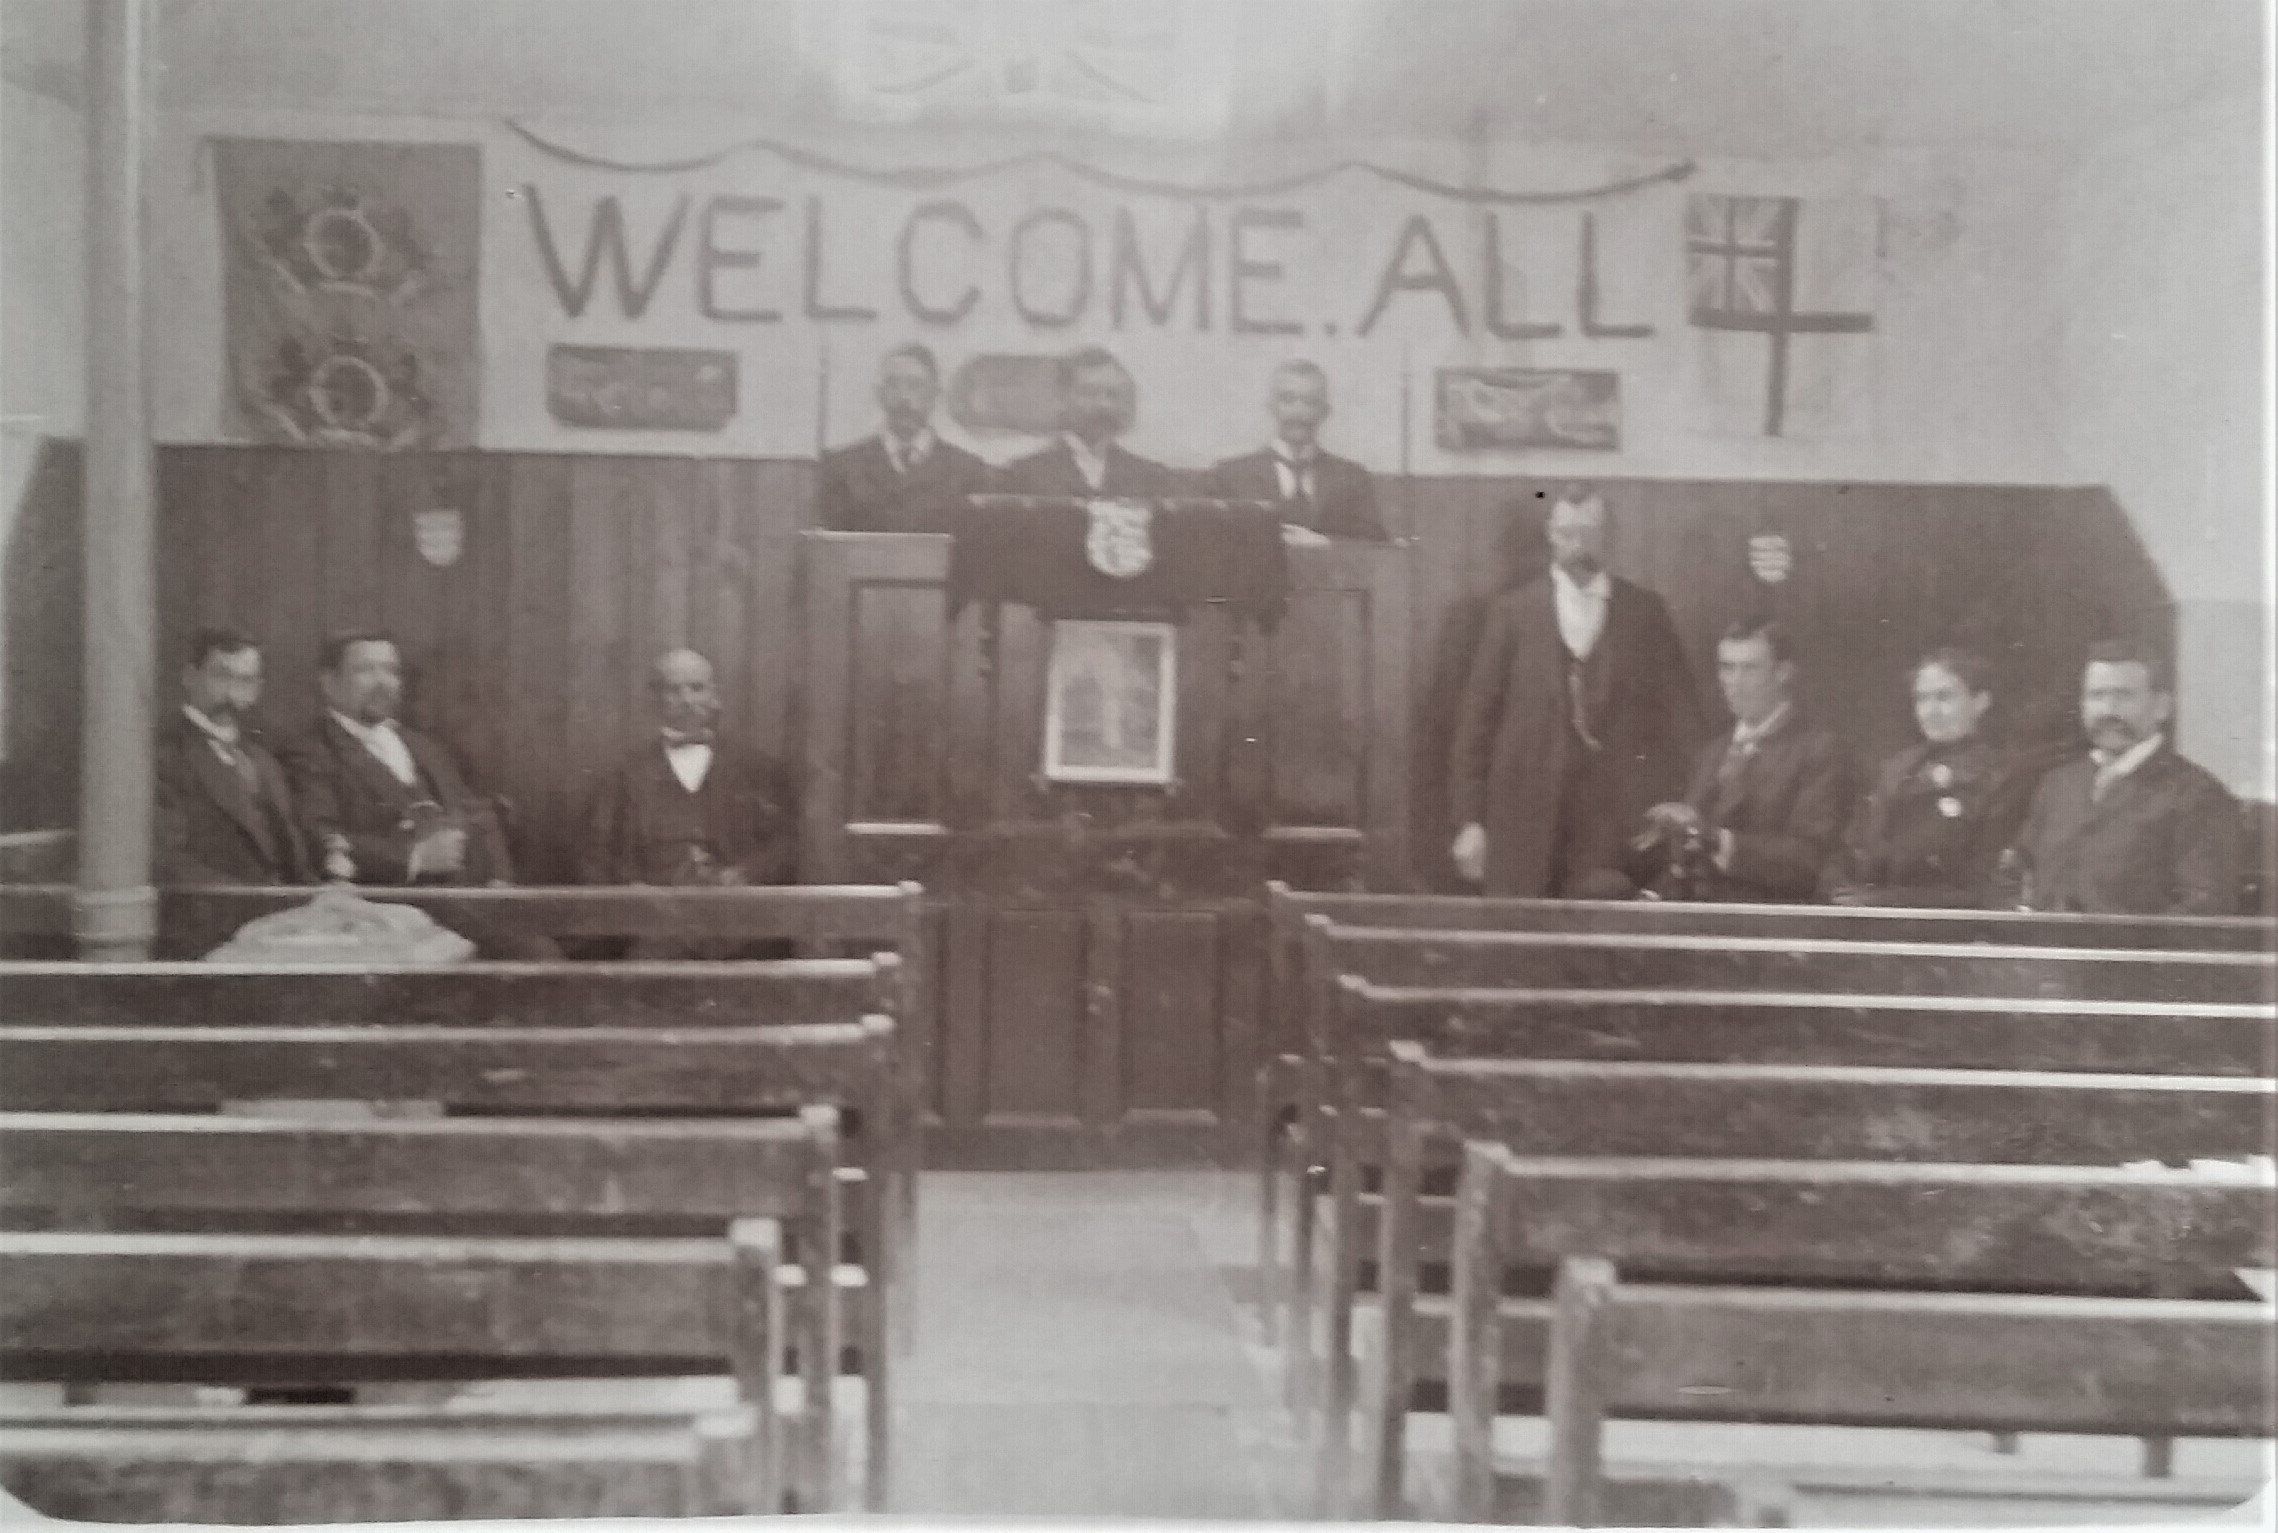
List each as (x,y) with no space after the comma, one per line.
(384,804)
(224,814)
(1575,714)
(1767,802)
(1321,495)
(904,479)
(2130,828)
(1098,403)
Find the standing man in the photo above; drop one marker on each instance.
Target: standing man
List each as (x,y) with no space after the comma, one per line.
(383,804)
(1575,714)
(2130,828)
(224,812)
(688,807)
(905,478)
(1321,495)
(1098,403)
(1767,802)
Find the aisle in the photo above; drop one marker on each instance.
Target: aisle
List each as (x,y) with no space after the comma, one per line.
(1080,1352)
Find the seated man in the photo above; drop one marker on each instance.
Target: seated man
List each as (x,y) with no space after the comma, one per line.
(223,812)
(383,804)
(688,808)
(1766,802)
(2131,827)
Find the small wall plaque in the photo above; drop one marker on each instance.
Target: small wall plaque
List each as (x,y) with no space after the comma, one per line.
(1485,408)
(624,388)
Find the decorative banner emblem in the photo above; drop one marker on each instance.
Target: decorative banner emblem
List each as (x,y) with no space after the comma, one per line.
(439,535)
(1771,556)
(1120,542)
(344,240)
(344,392)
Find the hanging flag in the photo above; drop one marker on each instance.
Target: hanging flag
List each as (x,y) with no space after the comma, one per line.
(1781,297)
(350,274)
(1155,67)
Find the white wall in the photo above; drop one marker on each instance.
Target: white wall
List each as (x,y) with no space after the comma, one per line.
(2165,398)
(42,235)
(1962,366)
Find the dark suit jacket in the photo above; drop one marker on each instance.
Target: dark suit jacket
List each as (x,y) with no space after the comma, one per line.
(643,823)
(340,788)
(1053,472)
(1343,504)
(1932,825)
(1511,743)
(2164,840)
(1786,809)
(210,829)
(858,488)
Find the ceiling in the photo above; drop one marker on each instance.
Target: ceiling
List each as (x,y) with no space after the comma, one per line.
(1724,77)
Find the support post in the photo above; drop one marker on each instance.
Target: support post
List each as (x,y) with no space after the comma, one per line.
(116,912)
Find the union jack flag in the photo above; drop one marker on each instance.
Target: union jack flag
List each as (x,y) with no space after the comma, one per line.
(1759,266)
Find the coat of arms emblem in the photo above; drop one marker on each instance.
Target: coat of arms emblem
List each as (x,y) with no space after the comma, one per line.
(1120,542)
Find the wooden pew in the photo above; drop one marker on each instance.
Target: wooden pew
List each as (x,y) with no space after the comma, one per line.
(1455,959)
(891,918)
(1895,1353)
(1788,1112)
(467,1040)
(1298,921)
(222,1250)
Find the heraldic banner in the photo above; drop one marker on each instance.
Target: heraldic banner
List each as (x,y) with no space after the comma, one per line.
(351,274)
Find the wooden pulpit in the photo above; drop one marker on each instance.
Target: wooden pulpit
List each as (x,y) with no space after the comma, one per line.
(1093,795)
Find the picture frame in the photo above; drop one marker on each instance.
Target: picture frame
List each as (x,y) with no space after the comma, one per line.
(1111,702)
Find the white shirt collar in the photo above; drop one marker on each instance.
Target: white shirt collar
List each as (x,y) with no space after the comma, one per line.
(1299,456)
(1090,463)
(2110,767)
(386,743)
(907,451)
(229,736)
(1749,734)
(1597,588)
(691,762)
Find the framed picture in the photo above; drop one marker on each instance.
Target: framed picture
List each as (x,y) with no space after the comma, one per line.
(1111,702)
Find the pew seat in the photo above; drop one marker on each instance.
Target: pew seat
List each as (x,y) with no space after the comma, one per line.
(1935,1322)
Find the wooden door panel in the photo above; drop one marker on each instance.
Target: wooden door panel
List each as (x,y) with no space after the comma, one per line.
(899,744)
(1173,1020)
(1033,1032)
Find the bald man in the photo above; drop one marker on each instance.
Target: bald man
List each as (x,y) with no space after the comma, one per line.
(688,807)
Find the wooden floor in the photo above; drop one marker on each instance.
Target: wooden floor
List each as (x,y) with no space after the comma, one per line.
(1085,1348)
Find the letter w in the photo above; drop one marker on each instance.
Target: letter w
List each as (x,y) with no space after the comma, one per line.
(606,229)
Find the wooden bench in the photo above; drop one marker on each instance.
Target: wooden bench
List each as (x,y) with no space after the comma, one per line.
(1896,1353)
(817,918)
(1448,961)
(348,1251)
(485,1038)
(1308,950)
(1798,1112)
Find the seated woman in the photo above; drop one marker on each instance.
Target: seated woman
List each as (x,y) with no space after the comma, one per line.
(1938,814)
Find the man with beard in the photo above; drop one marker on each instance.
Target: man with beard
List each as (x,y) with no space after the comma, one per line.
(904,479)
(1321,495)
(688,807)
(1575,714)
(2132,827)
(381,803)
(1767,801)
(224,813)
(1098,403)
